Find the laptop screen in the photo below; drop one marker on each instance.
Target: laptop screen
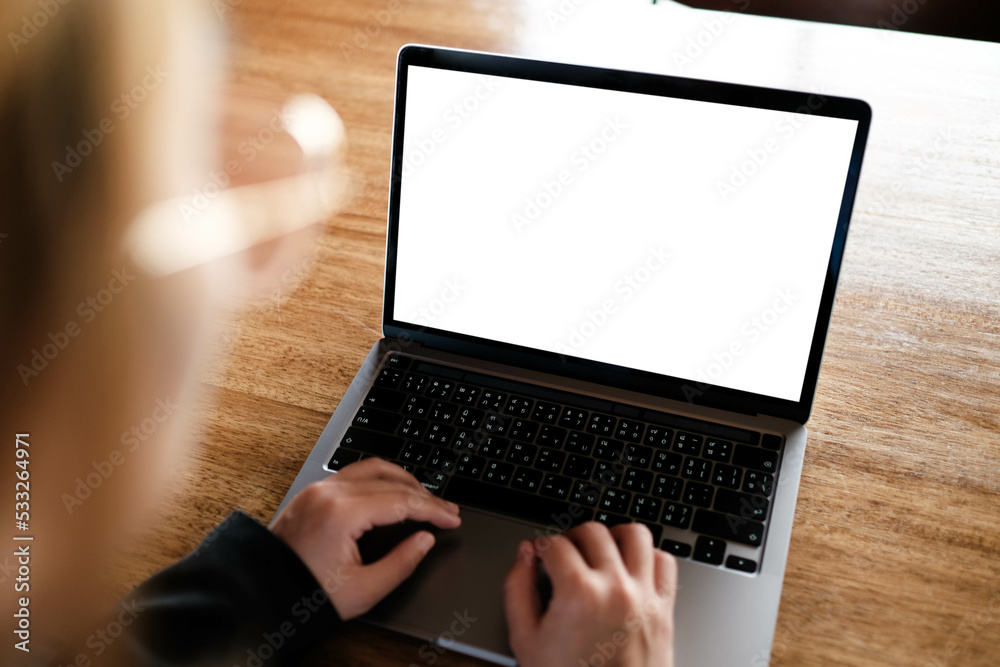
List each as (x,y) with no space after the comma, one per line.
(680,237)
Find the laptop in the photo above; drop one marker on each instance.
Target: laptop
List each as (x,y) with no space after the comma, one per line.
(606,298)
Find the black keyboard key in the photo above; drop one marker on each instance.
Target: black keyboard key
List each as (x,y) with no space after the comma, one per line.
(508,502)
(741,564)
(646,508)
(659,436)
(607,473)
(519,406)
(708,550)
(676,515)
(546,413)
(384,399)
(656,530)
(615,500)
(440,388)
(718,450)
(469,417)
(493,400)
(580,443)
(551,436)
(687,443)
(523,430)
(572,418)
(727,476)
(466,394)
(389,378)
(771,441)
(439,434)
(728,527)
(585,493)
(494,447)
(637,480)
(526,479)
(442,459)
(744,505)
(415,383)
(630,430)
(470,465)
(496,423)
(611,520)
(698,494)
(599,424)
(412,428)
(370,442)
(498,472)
(638,456)
(417,406)
(374,419)
(464,440)
(699,470)
(607,449)
(678,549)
(433,480)
(522,454)
(398,362)
(408,467)
(442,412)
(667,462)
(755,458)
(556,486)
(550,460)
(579,467)
(758,482)
(667,487)
(415,453)
(343,457)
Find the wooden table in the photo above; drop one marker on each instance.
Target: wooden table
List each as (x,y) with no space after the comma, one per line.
(895,557)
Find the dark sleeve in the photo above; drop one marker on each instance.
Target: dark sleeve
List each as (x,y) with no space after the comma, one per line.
(242,597)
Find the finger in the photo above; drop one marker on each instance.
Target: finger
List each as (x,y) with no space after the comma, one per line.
(563,562)
(521,602)
(380,503)
(596,544)
(635,543)
(375,468)
(665,566)
(385,574)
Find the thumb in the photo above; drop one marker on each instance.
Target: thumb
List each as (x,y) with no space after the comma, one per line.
(521,602)
(388,572)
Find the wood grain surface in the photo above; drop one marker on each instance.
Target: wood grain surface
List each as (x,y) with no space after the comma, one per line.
(895,555)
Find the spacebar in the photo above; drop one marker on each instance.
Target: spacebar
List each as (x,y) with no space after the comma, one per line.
(527,506)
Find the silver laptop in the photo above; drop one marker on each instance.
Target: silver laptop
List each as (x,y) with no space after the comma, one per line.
(606,298)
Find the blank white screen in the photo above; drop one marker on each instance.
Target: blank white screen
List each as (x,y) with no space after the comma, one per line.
(598,224)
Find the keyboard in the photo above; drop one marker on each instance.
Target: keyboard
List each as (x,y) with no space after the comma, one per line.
(558,459)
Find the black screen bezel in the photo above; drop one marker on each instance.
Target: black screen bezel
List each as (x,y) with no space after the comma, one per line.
(650,84)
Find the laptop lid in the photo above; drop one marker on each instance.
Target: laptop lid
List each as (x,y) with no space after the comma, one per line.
(673,236)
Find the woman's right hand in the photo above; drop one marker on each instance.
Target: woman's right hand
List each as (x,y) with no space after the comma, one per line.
(612,600)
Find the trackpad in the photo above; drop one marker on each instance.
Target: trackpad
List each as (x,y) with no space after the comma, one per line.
(456,594)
